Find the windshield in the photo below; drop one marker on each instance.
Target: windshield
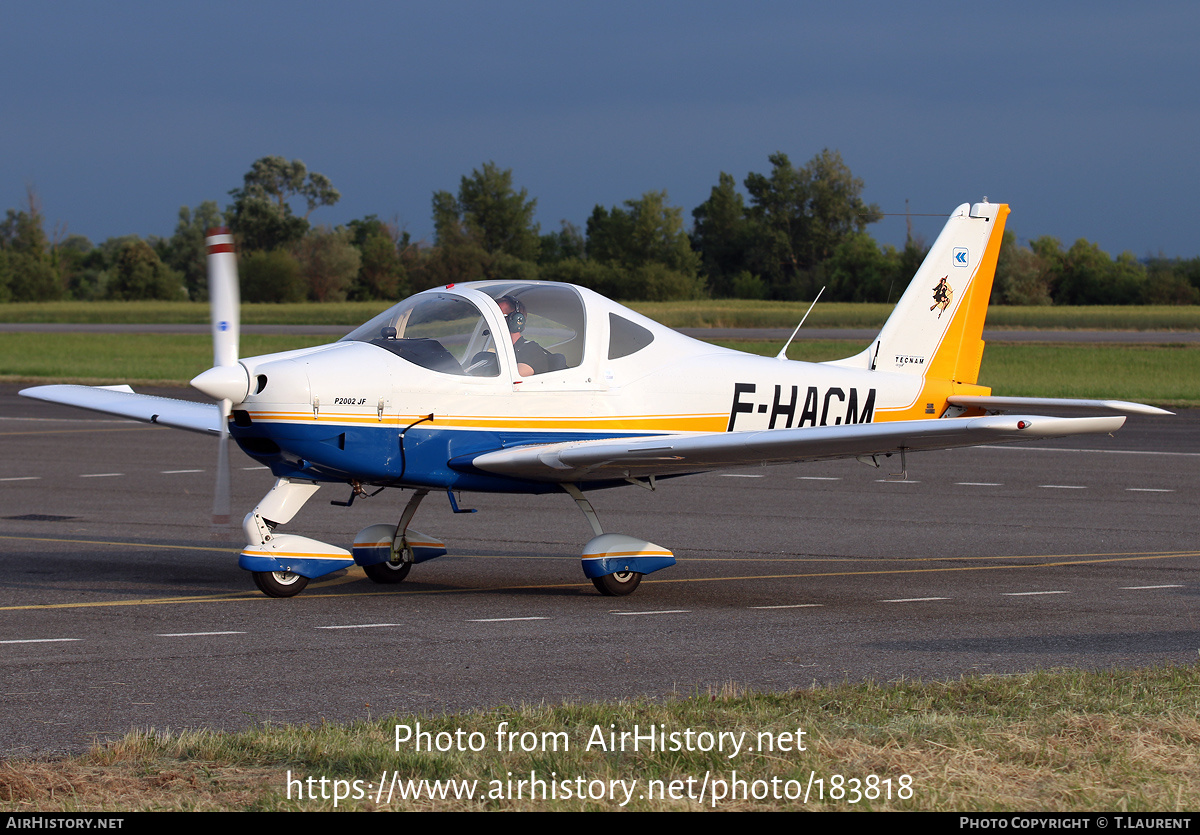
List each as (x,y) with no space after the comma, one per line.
(435,331)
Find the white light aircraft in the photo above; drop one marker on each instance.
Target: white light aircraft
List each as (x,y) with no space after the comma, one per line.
(538,387)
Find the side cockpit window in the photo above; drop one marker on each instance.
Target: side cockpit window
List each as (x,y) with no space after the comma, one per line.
(436,332)
(548,334)
(625,337)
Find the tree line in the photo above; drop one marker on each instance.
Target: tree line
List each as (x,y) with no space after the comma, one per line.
(783,235)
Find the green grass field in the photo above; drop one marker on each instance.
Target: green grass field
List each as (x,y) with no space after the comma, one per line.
(1164,375)
(1160,374)
(728,313)
(1066,741)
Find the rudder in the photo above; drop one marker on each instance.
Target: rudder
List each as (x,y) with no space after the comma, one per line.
(936,329)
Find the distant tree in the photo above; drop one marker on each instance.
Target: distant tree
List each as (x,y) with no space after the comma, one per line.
(859,271)
(186,251)
(31,272)
(382,274)
(328,262)
(448,228)
(646,231)
(261,226)
(449,264)
(606,279)
(567,242)
(746,285)
(276,179)
(22,231)
(1188,269)
(1087,275)
(1172,281)
(490,214)
(138,273)
(70,259)
(486,231)
(261,214)
(722,235)
(800,217)
(272,276)
(835,203)
(647,242)
(1022,276)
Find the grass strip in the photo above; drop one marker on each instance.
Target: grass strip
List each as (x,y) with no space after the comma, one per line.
(1164,375)
(1056,741)
(106,359)
(717,313)
(1160,374)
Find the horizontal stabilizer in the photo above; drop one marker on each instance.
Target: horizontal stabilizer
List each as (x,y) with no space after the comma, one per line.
(662,455)
(123,402)
(1002,404)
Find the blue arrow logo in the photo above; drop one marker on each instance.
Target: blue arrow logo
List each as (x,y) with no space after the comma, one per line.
(960,257)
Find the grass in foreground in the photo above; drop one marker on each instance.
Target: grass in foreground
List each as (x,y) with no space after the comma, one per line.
(1121,740)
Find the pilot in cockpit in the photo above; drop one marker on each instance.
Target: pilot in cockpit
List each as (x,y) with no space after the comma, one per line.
(531,357)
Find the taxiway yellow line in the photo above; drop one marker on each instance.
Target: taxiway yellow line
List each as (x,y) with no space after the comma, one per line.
(1086,557)
(355,574)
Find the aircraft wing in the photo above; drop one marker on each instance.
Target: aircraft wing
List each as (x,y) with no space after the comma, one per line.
(124,402)
(660,455)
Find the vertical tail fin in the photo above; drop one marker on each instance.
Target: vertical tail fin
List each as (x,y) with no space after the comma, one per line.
(936,329)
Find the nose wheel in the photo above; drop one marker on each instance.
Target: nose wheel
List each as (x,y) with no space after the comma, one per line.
(279,583)
(617,585)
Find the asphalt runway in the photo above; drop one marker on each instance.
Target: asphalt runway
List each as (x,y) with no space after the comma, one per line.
(121,607)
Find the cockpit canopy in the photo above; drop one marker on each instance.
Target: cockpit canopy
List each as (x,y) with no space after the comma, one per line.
(445,330)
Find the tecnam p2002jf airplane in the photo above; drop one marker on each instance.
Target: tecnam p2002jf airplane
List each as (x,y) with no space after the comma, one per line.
(444,391)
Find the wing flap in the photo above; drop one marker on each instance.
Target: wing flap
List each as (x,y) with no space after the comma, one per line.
(662,455)
(124,402)
(992,403)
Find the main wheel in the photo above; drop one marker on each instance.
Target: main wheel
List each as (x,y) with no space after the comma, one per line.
(279,583)
(617,585)
(388,572)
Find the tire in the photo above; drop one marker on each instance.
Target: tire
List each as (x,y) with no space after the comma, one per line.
(387,572)
(618,584)
(279,583)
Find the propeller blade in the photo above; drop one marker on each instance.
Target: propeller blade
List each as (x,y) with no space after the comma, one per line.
(226,380)
(223,296)
(221,492)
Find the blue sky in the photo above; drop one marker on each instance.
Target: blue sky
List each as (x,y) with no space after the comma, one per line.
(1083,116)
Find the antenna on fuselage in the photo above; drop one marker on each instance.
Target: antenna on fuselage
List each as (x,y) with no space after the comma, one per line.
(782,355)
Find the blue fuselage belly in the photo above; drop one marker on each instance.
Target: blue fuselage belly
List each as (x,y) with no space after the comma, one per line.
(374,454)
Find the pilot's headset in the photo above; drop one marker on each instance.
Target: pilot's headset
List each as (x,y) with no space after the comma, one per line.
(515,319)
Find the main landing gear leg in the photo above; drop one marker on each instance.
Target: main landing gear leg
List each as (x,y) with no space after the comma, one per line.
(614,562)
(387,552)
